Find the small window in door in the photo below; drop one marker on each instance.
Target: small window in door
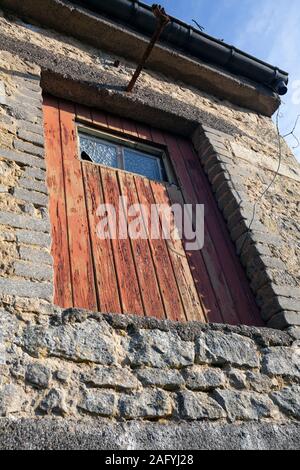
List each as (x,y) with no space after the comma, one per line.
(125,154)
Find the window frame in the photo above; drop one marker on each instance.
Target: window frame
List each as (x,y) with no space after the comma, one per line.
(126,141)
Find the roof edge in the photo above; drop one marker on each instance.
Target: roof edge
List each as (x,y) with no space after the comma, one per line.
(107,35)
(195,43)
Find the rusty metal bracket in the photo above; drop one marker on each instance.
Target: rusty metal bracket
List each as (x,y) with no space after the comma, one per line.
(162,20)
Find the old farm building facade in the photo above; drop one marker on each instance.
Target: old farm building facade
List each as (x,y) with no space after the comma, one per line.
(142,342)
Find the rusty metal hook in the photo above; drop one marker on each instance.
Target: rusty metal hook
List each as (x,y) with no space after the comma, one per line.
(162,20)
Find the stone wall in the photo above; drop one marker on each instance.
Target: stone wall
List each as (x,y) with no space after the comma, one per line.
(26,263)
(133,382)
(85,367)
(265,230)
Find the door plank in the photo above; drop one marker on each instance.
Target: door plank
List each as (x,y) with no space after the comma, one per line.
(129,127)
(104,268)
(235,280)
(143,259)
(193,186)
(63,295)
(79,242)
(195,258)
(99,118)
(165,274)
(124,262)
(105,275)
(191,302)
(210,257)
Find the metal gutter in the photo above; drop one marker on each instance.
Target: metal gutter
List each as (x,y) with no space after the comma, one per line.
(189,40)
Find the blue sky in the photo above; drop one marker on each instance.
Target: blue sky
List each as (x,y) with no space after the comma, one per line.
(268,29)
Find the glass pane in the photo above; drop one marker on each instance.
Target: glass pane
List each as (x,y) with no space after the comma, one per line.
(98,151)
(142,164)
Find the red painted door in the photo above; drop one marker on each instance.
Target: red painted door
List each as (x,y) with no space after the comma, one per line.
(153,277)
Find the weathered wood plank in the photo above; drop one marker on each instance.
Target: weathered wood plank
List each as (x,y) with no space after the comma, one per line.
(228,283)
(105,275)
(114,123)
(57,205)
(104,268)
(99,119)
(235,280)
(124,262)
(195,258)
(208,253)
(165,274)
(142,255)
(192,305)
(78,231)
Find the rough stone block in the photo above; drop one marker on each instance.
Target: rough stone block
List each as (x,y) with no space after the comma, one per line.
(3,189)
(90,341)
(288,400)
(7,236)
(148,404)
(11,400)
(237,379)
(33,238)
(25,126)
(38,376)
(197,378)
(54,403)
(221,178)
(199,406)
(282,361)
(35,255)
(111,377)
(262,278)
(34,101)
(35,173)
(3,100)
(62,376)
(28,289)
(30,137)
(22,113)
(244,226)
(231,208)
(227,187)
(260,383)
(294,332)
(20,221)
(219,348)
(159,349)
(254,252)
(267,238)
(245,406)
(29,83)
(29,148)
(99,403)
(263,263)
(167,379)
(215,172)
(279,304)
(282,291)
(219,134)
(33,185)
(23,158)
(34,197)
(38,272)
(214,163)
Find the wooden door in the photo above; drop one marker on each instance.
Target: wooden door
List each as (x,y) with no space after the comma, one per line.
(156,278)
